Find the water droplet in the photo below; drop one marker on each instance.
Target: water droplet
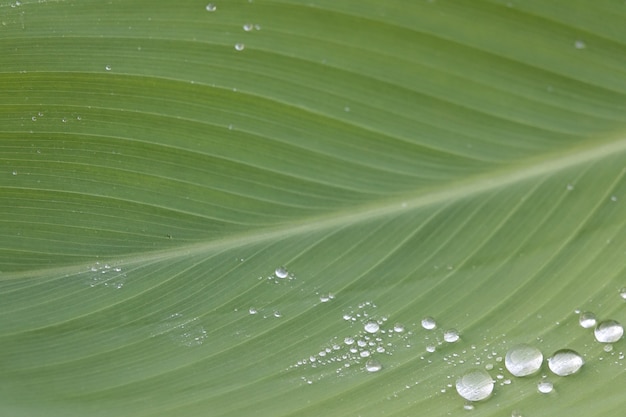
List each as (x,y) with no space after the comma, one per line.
(64,120)
(248,27)
(587,319)
(364,353)
(565,362)
(516,413)
(613,198)
(34,119)
(252,310)
(570,187)
(622,293)
(277,314)
(431,348)
(239,46)
(398,327)
(468,406)
(608,348)
(580,44)
(324,298)
(281,272)
(451,335)
(211,7)
(475,385)
(608,331)
(373,365)
(371,327)
(348,341)
(429,323)
(523,360)
(545,387)
(108,68)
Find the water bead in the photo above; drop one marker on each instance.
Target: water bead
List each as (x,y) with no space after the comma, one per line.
(371,327)
(451,336)
(281,272)
(429,323)
(373,365)
(210,7)
(523,360)
(565,362)
(545,387)
(608,331)
(475,385)
(587,319)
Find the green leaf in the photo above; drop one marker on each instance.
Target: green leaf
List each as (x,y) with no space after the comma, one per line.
(400,159)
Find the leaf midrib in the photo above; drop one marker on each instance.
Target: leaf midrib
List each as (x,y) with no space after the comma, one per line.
(593,150)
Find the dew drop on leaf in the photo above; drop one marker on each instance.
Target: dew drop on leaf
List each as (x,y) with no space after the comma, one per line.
(281,272)
(239,46)
(371,327)
(565,362)
(211,7)
(429,323)
(451,335)
(545,387)
(373,365)
(587,319)
(475,385)
(523,360)
(608,331)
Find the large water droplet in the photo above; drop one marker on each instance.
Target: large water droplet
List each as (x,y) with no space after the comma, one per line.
(371,327)
(545,387)
(523,360)
(451,335)
(475,385)
(565,362)
(608,331)
(429,323)
(587,319)
(281,272)
(373,365)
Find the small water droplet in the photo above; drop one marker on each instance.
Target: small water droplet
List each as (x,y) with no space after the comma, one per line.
(468,406)
(523,360)
(371,327)
(107,68)
(248,27)
(587,319)
(277,314)
(622,293)
(252,310)
(373,365)
(579,44)
(565,362)
(613,198)
(211,7)
(34,119)
(545,387)
(429,323)
(239,46)
(475,385)
(281,272)
(64,120)
(608,348)
(570,187)
(348,341)
(451,335)
(608,331)
(431,348)
(516,413)
(364,353)
(398,327)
